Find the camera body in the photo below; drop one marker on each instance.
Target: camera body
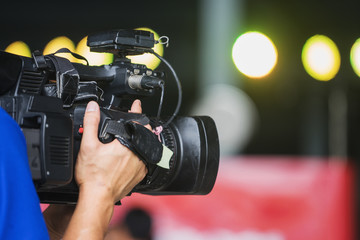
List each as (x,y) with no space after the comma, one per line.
(50,114)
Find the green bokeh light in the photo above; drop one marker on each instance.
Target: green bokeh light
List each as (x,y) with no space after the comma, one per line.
(355,57)
(321,58)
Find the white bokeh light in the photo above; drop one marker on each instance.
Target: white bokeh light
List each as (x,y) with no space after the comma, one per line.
(234,113)
(254,54)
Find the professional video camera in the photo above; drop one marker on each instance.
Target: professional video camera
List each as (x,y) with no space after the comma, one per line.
(47,96)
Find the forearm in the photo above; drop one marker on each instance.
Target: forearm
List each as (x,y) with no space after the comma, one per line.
(105,173)
(57,218)
(91,217)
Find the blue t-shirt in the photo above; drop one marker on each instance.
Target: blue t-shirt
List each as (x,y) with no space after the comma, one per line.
(20,213)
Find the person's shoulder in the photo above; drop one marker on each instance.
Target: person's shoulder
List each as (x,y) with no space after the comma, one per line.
(20,215)
(6,121)
(12,140)
(8,126)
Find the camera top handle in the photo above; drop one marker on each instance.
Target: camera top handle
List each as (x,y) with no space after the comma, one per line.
(122,43)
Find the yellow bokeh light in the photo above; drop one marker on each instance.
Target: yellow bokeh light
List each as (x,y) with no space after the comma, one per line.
(19,48)
(94,58)
(58,43)
(321,58)
(355,57)
(150,60)
(254,54)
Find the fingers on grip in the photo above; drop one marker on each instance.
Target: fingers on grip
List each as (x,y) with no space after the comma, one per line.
(91,121)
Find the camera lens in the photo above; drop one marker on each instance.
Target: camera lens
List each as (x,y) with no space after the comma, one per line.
(194,164)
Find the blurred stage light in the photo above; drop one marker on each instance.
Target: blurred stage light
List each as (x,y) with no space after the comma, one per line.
(355,57)
(94,58)
(321,58)
(148,59)
(60,42)
(19,48)
(234,113)
(254,54)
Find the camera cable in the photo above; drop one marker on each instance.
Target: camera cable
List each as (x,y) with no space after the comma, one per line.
(178,86)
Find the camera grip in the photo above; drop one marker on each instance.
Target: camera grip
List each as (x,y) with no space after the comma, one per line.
(137,138)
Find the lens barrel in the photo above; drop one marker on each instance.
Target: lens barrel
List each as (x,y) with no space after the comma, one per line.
(194,164)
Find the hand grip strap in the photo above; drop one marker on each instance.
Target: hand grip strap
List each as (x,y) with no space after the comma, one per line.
(137,138)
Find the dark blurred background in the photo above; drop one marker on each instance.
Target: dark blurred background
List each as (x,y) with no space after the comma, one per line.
(290,110)
(292,107)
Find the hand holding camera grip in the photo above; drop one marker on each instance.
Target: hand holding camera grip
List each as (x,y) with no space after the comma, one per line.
(137,138)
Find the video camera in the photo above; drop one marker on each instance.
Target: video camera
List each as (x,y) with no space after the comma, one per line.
(47,96)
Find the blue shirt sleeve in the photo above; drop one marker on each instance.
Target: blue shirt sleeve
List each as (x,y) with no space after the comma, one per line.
(20,214)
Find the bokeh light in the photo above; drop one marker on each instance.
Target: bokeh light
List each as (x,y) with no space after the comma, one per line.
(94,58)
(321,58)
(58,43)
(355,57)
(234,113)
(150,60)
(254,54)
(19,48)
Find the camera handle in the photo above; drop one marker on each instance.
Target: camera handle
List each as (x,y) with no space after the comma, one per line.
(131,133)
(137,138)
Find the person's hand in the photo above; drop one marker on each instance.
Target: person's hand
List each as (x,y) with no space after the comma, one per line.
(106,168)
(105,173)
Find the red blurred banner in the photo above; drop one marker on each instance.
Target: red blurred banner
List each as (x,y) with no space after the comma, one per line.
(260,198)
